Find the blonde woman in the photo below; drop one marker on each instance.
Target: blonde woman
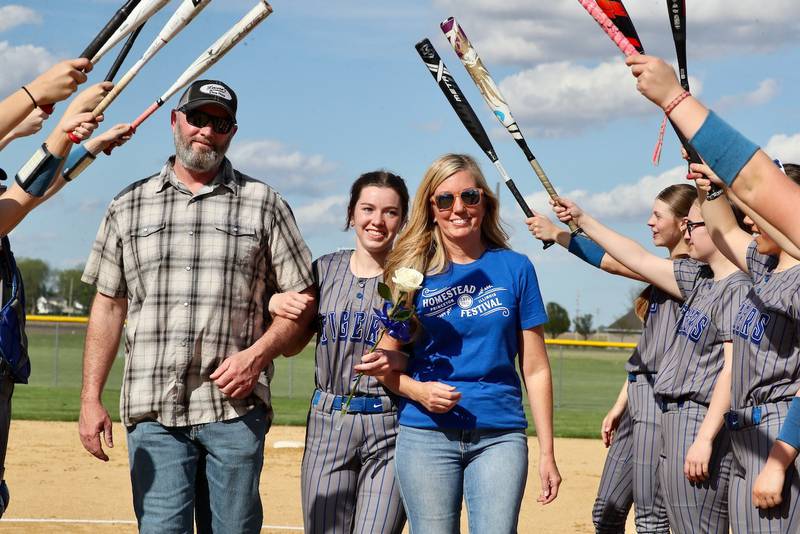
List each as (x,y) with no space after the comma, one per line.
(462,427)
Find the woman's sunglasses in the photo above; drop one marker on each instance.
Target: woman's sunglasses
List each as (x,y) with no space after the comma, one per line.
(469,197)
(200,119)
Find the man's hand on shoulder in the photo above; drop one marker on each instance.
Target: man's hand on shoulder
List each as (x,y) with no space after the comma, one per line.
(238,374)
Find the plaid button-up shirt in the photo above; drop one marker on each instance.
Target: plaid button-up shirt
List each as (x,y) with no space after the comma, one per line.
(198,271)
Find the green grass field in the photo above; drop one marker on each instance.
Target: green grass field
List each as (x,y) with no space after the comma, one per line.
(585,382)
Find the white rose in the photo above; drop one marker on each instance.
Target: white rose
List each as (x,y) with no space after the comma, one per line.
(407,280)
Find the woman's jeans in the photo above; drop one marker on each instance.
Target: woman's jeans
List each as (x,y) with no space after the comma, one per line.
(436,468)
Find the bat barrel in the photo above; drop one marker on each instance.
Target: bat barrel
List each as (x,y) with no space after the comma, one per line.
(108,30)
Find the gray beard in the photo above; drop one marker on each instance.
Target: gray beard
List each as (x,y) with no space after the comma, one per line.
(199,161)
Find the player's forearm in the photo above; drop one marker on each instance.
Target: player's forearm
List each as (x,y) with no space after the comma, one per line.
(766,227)
(622,398)
(102,341)
(14,109)
(720,400)
(729,239)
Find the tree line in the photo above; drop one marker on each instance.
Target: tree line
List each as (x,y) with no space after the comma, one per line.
(559,322)
(42,280)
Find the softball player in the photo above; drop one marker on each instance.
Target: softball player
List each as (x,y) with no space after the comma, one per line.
(766,370)
(630,471)
(692,386)
(347,474)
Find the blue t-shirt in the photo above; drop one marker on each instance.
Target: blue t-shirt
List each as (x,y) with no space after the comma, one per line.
(471,315)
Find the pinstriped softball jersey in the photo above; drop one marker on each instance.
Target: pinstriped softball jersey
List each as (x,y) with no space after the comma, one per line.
(347,475)
(766,343)
(766,371)
(657,332)
(694,359)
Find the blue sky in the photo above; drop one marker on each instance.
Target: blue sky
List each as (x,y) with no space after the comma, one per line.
(329,90)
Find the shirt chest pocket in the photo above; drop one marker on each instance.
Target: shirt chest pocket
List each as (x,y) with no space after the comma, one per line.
(235,242)
(147,245)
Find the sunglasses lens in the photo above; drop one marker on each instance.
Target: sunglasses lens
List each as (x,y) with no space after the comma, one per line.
(471,197)
(199,119)
(445,201)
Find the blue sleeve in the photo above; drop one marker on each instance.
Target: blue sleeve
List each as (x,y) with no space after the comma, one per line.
(531,308)
(722,147)
(586,249)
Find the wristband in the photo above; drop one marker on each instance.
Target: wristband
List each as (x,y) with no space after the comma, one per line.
(35,104)
(79,158)
(675,101)
(790,430)
(723,148)
(587,250)
(38,173)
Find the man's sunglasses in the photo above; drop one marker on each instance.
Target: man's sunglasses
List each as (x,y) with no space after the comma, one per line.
(469,197)
(691,225)
(200,119)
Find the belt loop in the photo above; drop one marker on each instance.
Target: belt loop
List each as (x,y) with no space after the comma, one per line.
(631,377)
(756,415)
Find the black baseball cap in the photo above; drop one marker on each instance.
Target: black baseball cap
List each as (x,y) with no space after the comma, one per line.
(203,92)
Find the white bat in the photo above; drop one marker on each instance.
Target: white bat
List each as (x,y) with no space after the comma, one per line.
(142,12)
(185,14)
(214,53)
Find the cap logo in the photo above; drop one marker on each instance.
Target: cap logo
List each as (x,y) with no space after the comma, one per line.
(216,90)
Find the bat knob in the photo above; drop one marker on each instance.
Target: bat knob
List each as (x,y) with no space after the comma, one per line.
(47,108)
(74,138)
(548,244)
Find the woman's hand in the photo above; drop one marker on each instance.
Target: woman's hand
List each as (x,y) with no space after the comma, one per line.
(542,228)
(703,176)
(436,397)
(381,362)
(566,210)
(698,457)
(655,79)
(610,424)
(550,478)
(768,487)
(289,305)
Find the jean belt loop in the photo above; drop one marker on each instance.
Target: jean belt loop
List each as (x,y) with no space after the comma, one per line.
(757,415)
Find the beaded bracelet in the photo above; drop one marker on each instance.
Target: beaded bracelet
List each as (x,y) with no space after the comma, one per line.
(675,101)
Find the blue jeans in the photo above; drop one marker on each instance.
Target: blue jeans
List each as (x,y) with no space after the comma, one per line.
(436,468)
(211,469)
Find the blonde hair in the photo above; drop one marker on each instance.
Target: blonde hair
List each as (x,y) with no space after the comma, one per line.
(419,246)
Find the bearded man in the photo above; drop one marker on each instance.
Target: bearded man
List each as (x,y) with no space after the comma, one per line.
(190,257)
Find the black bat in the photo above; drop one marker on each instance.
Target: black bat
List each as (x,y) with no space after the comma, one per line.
(123,53)
(468,118)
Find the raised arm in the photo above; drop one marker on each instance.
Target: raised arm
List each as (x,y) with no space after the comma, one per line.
(720,221)
(653,269)
(747,170)
(580,246)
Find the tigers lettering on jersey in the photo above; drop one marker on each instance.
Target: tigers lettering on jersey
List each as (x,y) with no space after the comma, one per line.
(692,323)
(343,326)
(750,323)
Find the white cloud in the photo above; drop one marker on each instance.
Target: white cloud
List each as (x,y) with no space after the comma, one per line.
(14,15)
(783,146)
(286,169)
(565,98)
(21,64)
(624,201)
(766,91)
(325,213)
(524,32)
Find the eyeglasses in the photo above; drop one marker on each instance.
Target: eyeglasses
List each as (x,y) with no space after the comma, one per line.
(691,225)
(469,197)
(200,119)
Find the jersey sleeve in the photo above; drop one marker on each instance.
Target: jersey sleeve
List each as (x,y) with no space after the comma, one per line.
(687,273)
(532,312)
(727,306)
(759,265)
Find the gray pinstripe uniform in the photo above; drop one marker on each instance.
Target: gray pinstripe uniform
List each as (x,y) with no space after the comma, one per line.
(766,375)
(684,386)
(630,472)
(347,475)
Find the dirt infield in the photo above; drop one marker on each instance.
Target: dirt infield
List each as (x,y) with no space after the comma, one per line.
(52,478)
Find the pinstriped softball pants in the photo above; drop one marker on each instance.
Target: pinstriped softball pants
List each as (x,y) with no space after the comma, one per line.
(347,476)
(693,508)
(751,443)
(630,474)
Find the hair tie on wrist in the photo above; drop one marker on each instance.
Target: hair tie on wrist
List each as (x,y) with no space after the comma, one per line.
(35,104)
(675,101)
